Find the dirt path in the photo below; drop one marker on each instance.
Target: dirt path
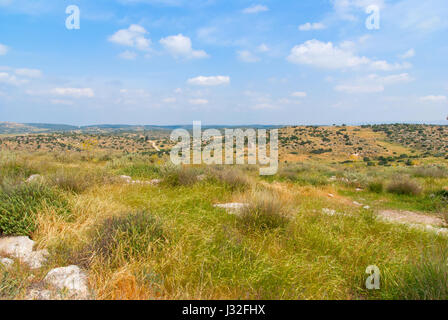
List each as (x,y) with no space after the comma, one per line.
(155,146)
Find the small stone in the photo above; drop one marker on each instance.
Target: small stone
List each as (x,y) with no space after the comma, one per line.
(126,179)
(357,203)
(70,278)
(366,207)
(359,189)
(232,207)
(36,294)
(34,178)
(331,195)
(155,182)
(329,212)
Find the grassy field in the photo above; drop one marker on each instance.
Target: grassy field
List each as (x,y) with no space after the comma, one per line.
(308,232)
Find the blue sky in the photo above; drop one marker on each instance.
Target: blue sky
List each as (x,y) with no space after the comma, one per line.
(223,62)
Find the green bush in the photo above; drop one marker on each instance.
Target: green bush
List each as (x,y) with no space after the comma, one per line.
(20,204)
(376,186)
(179,176)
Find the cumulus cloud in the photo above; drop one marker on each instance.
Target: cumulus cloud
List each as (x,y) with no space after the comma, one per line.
(180,46)
(198,101)
(433,98)
(11,79)
(3,49)
(133,37)
(29,73)
(256,9)
(209,81)
(312,26)
(74,92)
(326,55)
(247,56)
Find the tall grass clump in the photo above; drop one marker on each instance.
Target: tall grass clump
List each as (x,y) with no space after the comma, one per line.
(13,169)
(265,211)
(404,186)
(375,186)
(424,279)
(118,240)
(175,176)
(20,204)
(234,178)
(78,181)
(431,172)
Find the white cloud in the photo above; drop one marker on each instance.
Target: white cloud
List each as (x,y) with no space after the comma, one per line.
(29,73)
(329,56)
(247,56)
(299,94)
(312,26)
(256,9)
(133,37)
(433,98)
(263,48)
(11,79)
(209,81)
(128,55)
(180,46)
(408,54)
(373,83)
(3,49)
(198,101)
(74,92)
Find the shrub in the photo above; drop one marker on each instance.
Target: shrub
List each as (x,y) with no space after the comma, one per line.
(179,176)
(119,239)
(404,186)
(20,204)
(376,186)
(77,181)
(431,172)
(234,178)
(264,211)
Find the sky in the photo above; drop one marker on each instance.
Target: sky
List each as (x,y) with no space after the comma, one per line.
(166,62)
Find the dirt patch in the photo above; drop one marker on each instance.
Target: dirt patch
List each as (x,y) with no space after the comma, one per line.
(409,217)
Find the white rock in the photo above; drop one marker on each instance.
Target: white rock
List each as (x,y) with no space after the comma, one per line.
(70,278)
(331,195)
(36,259)
(366,207)
(36,294)
(357,203)
(232,207)
(155,182)
(126,179)
(358,189)
(329,212)
(17,247)
(34,178)
(22,248)
(6,262)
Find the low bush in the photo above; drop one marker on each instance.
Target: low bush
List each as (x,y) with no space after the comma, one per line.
(376,186)
(20,204)
(404,186)
(265,211)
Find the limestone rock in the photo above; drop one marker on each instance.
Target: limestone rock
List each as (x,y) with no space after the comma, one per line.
(22,248)
(70,278)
